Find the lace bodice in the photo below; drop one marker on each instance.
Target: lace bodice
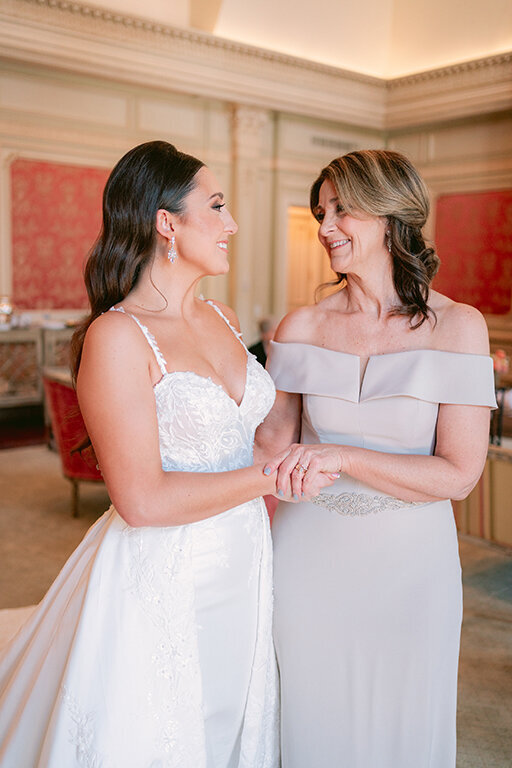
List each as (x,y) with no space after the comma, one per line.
(201,428)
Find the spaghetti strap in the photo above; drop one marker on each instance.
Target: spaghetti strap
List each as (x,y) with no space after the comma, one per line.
(162,364)
(238,334)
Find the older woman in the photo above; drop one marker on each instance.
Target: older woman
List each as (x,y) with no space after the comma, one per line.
(390,384)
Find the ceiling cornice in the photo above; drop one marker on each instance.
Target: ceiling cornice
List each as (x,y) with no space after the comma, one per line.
(80,38)
(452,69)
(467,89)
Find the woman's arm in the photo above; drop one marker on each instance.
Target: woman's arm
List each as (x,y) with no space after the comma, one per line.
(280,428)
(118,405)
(451,473)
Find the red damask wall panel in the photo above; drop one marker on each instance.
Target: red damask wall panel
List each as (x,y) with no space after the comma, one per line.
(474,242)
(56,217)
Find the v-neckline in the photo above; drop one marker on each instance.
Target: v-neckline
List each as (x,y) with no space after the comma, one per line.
(151,339)
(216,384)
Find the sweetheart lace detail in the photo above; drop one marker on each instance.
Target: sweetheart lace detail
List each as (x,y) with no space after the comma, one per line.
(201,428)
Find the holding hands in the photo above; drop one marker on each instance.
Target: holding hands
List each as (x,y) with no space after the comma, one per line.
(303,470)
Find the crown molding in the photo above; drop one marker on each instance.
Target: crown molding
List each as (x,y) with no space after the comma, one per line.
(452,69)
(468,89)
(79,38)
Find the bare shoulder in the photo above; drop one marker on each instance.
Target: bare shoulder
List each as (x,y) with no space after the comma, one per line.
(298,325)
(227,312)
(113,328)
(114,340)
(461,327)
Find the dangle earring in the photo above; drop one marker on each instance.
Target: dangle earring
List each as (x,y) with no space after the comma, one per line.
(172,254)
(388,240)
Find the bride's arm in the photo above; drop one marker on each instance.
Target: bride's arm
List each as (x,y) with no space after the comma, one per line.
(117,401)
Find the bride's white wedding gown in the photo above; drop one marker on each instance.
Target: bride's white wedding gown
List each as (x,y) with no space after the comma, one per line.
(153,647)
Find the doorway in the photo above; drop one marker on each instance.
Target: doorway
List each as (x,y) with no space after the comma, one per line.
(308,264)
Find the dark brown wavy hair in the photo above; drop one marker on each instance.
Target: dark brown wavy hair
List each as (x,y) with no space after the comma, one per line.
(150,176)
(381,182)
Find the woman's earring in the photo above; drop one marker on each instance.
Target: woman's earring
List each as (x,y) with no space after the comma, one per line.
(172,254)
(388,240)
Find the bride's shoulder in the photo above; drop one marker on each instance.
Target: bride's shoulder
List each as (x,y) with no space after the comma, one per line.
(114,338)
(228,312)
(460,327)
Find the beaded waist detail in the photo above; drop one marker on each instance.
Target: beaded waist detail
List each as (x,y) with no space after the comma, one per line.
(353,504)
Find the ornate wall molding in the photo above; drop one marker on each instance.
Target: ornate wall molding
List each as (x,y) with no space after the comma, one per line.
(481,65)
(462,90)
(248,123)
(82,39)
(79,38)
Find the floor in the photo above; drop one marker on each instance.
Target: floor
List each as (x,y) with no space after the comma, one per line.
(37,534)
(485,672)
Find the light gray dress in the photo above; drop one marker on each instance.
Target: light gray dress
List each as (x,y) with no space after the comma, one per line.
(368,599)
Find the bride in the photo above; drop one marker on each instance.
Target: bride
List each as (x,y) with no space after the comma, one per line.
(153,647)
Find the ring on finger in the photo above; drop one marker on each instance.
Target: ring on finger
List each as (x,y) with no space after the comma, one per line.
(300,468)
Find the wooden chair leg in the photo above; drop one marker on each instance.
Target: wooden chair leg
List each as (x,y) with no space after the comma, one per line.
(74,497)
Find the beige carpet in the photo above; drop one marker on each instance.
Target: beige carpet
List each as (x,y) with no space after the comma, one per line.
(37,530)
(37,534)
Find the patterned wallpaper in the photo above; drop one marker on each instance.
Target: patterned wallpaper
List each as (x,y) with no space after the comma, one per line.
(56,217)
(474,242)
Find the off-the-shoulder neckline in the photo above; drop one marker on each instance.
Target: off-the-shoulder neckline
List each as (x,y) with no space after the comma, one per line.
(381,354)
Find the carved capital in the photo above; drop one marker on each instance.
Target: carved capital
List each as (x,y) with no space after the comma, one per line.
(248,124)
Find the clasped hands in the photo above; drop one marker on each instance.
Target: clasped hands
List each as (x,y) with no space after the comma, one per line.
(303,470)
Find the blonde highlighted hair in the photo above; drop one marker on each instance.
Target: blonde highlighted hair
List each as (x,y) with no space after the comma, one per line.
(380,182)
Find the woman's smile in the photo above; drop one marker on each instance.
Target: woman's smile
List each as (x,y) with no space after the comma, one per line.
(338,244)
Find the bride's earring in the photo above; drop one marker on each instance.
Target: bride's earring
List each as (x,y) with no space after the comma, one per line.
(172,254)
(388,240)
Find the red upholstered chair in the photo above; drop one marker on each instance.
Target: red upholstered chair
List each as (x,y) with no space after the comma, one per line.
(68,429)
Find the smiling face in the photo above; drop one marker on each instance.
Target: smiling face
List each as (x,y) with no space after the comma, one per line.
(203,230)
(353,241)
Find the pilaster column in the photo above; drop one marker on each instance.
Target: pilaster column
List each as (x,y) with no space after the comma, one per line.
(6,158)
(252,208)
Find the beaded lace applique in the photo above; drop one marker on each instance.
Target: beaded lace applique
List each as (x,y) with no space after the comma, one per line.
(160,577)
(354,504)
(81,734)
